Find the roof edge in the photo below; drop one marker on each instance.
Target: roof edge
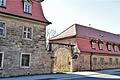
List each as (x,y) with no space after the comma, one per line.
(52,38)
(47,22)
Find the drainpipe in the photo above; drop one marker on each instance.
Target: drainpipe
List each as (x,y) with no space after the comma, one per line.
(91,61)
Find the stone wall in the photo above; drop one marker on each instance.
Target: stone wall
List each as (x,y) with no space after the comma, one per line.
(106,64)
(13,45)
(83,62)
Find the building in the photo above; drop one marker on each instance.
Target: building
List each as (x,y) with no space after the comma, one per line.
(22,38)
(84,48)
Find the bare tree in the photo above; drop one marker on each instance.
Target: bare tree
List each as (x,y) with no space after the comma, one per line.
(49,34)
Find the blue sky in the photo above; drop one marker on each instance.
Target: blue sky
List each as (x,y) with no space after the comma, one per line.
(101,14)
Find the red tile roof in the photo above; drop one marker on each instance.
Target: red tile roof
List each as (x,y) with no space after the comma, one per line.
(15,7)
(95,33)
(84,34)
(84,45)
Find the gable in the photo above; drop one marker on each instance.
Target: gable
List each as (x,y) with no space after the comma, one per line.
(69,32)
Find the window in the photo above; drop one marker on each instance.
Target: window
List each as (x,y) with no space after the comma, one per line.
(115,48)
(27,33)
(119,47)
(109,47)
(1,59)
(93,44)
(50,47)
(27,7)
(110,61)
(117,61)
(2,29)
(100,43)
(2,3)
(94,61)
(25,60)
(100,46)
(101,61)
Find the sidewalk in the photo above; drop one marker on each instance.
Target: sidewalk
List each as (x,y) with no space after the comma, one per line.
(100,74)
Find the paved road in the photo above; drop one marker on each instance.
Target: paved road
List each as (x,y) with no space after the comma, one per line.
(98,75)
(90,78)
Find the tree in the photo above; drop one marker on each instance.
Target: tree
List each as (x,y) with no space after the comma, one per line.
(49,34)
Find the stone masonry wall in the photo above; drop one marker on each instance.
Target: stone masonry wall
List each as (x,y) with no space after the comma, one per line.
(106,64)
(83,62)
(13,45)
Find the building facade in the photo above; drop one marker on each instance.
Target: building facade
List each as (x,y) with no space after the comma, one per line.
(84,48)
(22,38)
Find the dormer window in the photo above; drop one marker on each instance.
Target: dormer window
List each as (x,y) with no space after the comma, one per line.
(119,47)
(27,7)
(2,3)
(109,46)
(93,44)
(115,48)
(100,44)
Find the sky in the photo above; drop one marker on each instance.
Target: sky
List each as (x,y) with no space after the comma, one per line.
(101,14)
